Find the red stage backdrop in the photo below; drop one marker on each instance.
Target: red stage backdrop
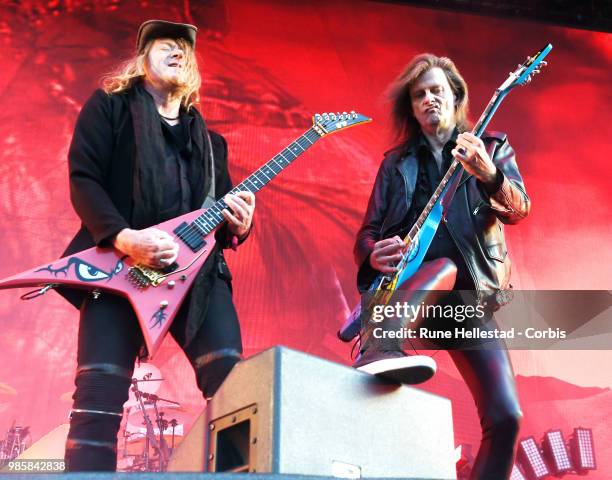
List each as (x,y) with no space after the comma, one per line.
(268,66)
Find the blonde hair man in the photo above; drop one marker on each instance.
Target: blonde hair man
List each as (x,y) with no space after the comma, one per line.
(141,154)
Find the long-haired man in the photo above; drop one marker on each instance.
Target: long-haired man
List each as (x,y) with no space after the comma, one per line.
(141,154)
(429,109)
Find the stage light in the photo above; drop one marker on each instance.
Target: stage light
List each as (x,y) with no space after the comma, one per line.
(583,452)
(531,459)
(516,473)
(556,453)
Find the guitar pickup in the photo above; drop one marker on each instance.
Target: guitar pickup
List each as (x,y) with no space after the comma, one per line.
(190,236)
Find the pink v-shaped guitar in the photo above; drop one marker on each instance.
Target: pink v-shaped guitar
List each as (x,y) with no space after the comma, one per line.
(156,295)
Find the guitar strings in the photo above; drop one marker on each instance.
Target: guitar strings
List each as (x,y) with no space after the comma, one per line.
(202,226)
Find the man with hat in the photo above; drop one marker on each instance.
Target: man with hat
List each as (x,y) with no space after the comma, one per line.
(141,154)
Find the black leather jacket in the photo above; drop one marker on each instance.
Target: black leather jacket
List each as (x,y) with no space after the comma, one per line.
(475,218)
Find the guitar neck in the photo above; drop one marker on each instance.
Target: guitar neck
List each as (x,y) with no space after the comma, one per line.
(487,115)
(478,129)
(213,217)
(432,201)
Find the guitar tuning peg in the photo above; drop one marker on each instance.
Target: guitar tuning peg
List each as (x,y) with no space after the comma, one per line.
(353,114)
(544,63)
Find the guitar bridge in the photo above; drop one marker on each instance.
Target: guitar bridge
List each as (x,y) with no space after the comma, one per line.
(143,277)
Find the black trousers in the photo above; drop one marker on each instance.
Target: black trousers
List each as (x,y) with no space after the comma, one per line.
(489,376)
(109,342)
(485,367)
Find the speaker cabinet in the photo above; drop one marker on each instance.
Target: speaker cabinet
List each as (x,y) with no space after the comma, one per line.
(287,412)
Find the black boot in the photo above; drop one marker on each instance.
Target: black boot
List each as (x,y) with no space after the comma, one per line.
(385,357)
(382,354)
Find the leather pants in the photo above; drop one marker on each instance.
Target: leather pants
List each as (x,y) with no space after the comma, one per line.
(489,376)
(484,365)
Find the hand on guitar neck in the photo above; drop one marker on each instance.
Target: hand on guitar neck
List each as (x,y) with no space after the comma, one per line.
(241,215)
(151,247)
(386,254)
(472,154)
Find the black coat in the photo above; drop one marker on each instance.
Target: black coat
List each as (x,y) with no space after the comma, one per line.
(101,168)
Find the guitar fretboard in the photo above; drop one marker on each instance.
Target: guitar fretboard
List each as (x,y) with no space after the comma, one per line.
(213,217)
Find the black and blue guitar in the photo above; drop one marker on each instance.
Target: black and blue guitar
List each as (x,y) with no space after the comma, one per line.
(421,234)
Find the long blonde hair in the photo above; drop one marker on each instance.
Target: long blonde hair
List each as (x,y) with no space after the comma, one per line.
(135,69)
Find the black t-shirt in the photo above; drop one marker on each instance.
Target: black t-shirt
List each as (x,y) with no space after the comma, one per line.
(428,179)
(177,187)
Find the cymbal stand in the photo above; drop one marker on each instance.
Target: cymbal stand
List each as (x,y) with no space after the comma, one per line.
(150,435)
(164,454)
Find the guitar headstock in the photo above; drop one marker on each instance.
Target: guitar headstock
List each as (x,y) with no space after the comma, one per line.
(327,123)
(524,72)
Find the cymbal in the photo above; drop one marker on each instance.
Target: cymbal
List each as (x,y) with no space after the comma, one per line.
(136,417)
(134,434)
(145,371)
(136,445)
(149,377)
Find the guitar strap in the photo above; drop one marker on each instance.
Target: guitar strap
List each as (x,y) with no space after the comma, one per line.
(210,198)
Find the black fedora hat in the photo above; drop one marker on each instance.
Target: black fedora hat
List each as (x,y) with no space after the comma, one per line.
(152,29)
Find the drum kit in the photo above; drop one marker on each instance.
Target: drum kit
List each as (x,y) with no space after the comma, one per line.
(154,426)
